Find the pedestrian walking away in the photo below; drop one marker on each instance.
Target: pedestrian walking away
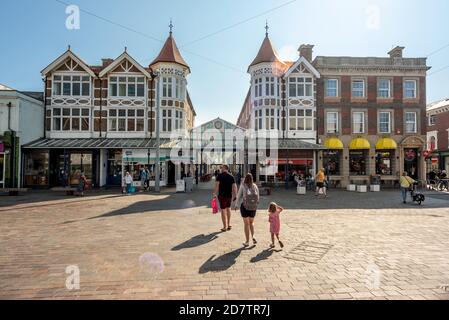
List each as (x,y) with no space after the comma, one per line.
(406,182)
(274,211)
(226,189)
(248,200)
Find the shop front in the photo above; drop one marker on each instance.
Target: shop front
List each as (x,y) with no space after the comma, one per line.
(332,160)
(413,159)
(359,161)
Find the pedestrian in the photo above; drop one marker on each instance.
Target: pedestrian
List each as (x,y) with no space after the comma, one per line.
(147,178)
(142,177)
(320,180)
(406,182)
(226,190)
(82,184)
(248,195)
(128,182)
(274,211)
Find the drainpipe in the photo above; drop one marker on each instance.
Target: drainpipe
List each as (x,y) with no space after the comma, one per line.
(13,149)
(101,104)
(151,109)
(45,106)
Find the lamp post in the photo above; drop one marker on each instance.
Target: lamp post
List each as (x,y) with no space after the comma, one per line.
(158,138)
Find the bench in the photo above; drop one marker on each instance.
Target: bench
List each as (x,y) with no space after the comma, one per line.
(14,191)
(68,190)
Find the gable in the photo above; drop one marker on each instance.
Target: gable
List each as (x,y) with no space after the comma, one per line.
(302,66)
(124,63)
(68,61)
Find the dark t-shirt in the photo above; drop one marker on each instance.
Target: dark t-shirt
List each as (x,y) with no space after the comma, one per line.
(225,188)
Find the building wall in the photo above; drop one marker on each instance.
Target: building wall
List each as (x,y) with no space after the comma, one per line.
(441,126)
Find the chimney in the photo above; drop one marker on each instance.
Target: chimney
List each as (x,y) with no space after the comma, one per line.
(106,62)
(396,52)
(306,51)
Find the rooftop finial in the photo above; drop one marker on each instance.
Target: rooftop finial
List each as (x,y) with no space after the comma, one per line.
(171,27)
(69,48)
(266,28)
(126,49)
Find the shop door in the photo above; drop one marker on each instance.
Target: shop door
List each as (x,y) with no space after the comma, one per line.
(411,163)
(59,168)
(171,173)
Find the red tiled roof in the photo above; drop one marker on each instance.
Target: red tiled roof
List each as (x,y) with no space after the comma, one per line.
(170,53)
(266,54)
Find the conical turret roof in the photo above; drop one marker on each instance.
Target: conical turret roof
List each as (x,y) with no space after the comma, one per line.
(266,53)
(170,53)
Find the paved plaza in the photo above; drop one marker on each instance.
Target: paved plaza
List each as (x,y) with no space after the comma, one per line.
(168,246)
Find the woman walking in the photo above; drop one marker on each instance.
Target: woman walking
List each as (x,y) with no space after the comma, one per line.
(248,198)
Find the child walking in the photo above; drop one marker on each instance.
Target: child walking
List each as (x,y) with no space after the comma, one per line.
(275,222)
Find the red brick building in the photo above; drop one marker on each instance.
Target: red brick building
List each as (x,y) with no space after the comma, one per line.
(438,135)
(371,115)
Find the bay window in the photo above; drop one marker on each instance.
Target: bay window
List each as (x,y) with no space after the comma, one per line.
(167,120)
(125,86)
(258,118)
(179,119)
(332,122)
(258,87)
(270,86)
(69,85)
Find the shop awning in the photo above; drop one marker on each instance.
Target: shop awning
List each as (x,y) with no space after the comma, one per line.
(101,143)
(334,144)
(359,144)
(386,144)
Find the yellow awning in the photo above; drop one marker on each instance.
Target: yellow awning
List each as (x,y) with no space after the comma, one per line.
(386,144)
(359,144)
(334,144)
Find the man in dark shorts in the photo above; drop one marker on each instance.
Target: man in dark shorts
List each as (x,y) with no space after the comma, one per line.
(226,189)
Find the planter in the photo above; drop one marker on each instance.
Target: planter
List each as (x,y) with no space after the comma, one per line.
(374,188)
(301,190)
(362,189)
(351,187)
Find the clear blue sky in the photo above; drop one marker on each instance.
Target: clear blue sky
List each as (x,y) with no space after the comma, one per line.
(34,33)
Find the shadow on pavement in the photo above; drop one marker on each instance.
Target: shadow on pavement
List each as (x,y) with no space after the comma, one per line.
(264,255)
(221,263)
(197,241)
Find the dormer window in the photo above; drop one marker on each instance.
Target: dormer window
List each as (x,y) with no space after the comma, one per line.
(77,86)
(300,87)
(124,87)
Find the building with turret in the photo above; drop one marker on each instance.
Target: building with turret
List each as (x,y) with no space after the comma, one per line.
(101,119)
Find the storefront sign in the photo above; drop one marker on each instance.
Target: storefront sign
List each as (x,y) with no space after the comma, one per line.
(410,155)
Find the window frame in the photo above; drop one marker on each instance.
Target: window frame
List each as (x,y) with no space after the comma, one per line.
(407,122)
(363,89)
(379,89)
(337,91)
(337,122)
(114,79)
(62,82)
(139,120)
(390,126)
(363,122)
(305,85)
(415,89)
(70,117)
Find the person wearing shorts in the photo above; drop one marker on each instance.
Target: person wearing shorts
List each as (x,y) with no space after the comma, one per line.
(247,215)
(226,190)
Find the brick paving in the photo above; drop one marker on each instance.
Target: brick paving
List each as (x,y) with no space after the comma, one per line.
(146,246)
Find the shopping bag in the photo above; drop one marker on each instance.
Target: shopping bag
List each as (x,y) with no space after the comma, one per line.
(214,205)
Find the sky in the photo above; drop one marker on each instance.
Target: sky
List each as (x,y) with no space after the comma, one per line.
(34,33)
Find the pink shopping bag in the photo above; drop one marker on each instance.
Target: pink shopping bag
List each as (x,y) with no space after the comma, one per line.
(214,204)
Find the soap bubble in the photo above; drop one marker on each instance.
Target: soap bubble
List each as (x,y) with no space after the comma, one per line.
(151,264)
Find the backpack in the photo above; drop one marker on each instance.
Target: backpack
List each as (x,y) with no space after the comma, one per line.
(250,198)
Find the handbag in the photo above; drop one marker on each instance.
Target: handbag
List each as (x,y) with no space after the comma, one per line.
(214,205)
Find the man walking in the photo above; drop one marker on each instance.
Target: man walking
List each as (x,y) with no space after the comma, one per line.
(226,189)
(406,182)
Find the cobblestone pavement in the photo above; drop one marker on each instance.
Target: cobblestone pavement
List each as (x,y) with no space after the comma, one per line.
(146,246)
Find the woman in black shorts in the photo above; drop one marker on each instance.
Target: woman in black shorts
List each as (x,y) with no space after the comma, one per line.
(248,198)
